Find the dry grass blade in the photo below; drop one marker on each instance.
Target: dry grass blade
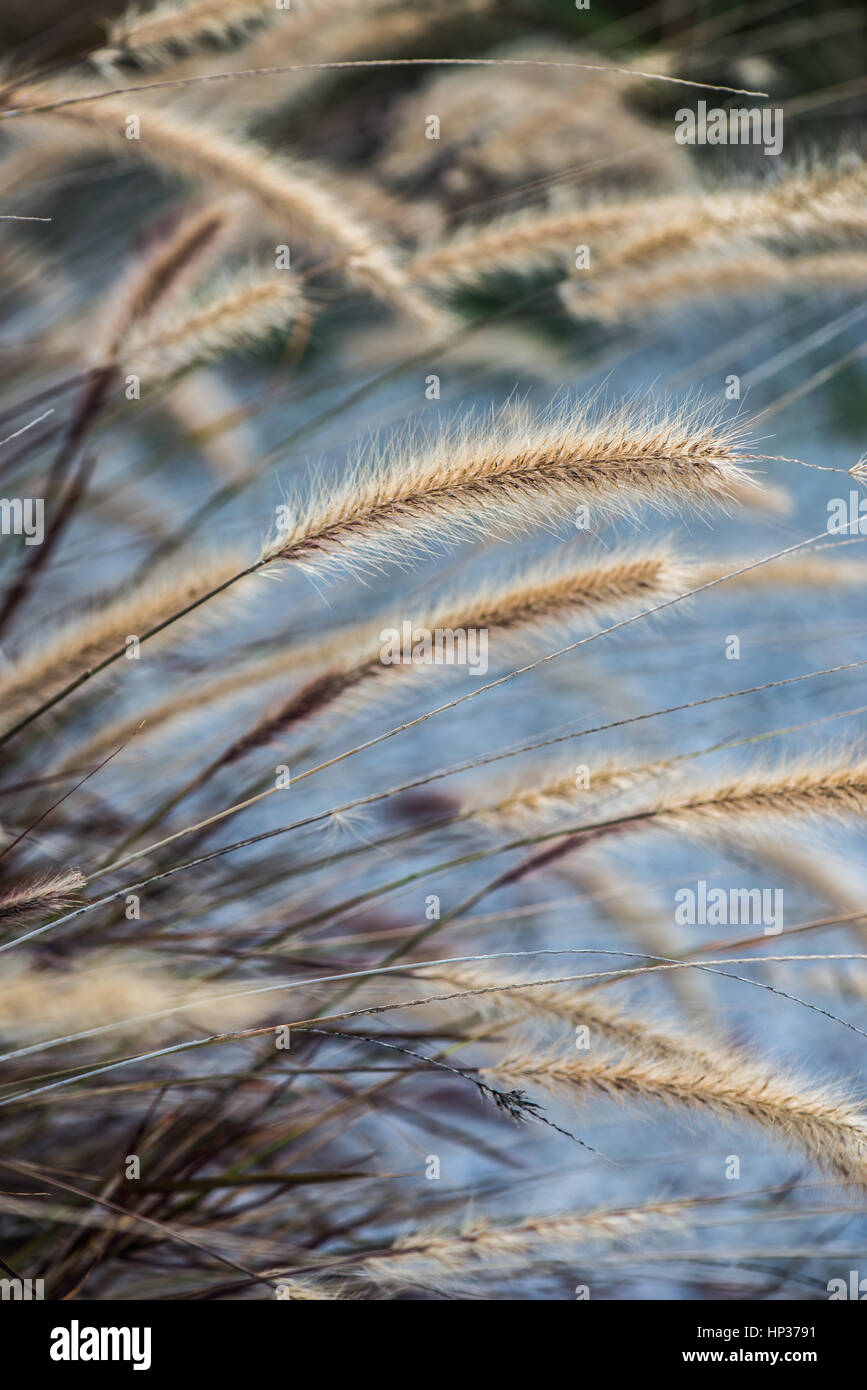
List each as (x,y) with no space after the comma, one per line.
(813,205)
(796,792)
(523,244)
(267,276)
(818,204)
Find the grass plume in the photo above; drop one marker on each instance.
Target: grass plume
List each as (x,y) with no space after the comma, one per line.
(430,1257)
(545,599)
(822,1122)
(179,26)
(734,279)
(248,307)
(516,471)
(41,896)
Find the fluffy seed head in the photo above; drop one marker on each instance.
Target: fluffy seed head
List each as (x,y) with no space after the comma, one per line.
(43,896)
(820,1121)
(173,26)
(242,311)
(518,471)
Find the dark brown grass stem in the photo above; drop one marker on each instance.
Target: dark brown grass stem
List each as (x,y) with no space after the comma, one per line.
(70,503)
(49,393)
(54,805)
(141,290)
(166,1232)
(90,405)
